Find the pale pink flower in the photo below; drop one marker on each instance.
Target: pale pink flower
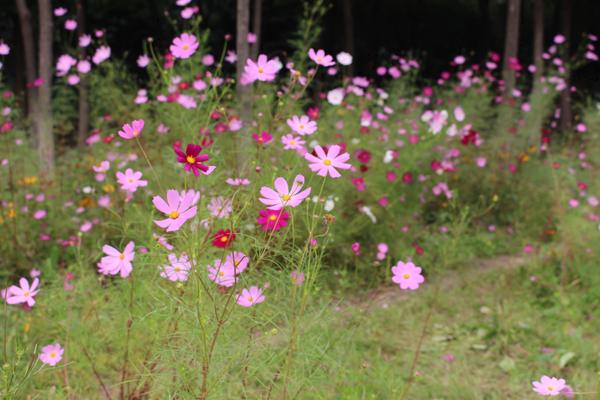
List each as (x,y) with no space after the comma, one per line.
(184,46)
(177,269)
(220,207)
(116,262)
(179,208)
(326,163)
(143,61)
(85,40)
(102,54)
(283,196)
(302,125)
(320,58)
(130,180)
(548,386)
(133,130)
(70,24)
(237,181)
(24,293)
(407,275)
(222,274)
(250,297)
(60,11)
(297,277)
(51,354)
(237,261)
(262,70)
(291,142)
(4,49)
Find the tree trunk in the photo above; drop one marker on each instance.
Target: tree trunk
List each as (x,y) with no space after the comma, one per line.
(566,112)
(244,92)
(44,125)
(257,27)
(538,39)
(348,31)
(511,44)
(84,105)
(30,65)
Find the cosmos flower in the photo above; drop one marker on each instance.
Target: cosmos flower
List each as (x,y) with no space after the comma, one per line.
(263,69)
(130,180)
(184,46)
(51,354)
(407,275)
(302,125)
(326,163)
(320,58)
(179,208)
(250,297)
(263,138)
(24,293)
(102,54)
(221,274)
(116,262)
(133,130)
(291,142)
(548,386)
(272,220)
(220,207)
(193,160)
(282,195)
(177,269)
(223,238)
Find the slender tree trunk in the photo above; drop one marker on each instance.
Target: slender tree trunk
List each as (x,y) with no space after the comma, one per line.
(244,92)
(44,125)
(257,27)
(566,112)
(511,43)
(30,65)
(84,105)
(349,31)
(538,39)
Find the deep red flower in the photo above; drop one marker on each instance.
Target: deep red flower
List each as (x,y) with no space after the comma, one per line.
(470,137)
(192,159)
(407,178)
(272,220)
(223,238)
(184,85)
(363,156)
(582,185)
(418,249)
(313,113)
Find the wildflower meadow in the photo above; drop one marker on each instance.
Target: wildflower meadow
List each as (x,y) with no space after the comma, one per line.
(223,212)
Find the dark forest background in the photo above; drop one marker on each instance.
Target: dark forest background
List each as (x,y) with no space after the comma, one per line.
(434,31)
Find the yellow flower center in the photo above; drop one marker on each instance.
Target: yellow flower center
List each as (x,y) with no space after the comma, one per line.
(327,162)
(185,47)
(250,299)
(224,238)
(301,126)
(272,217)
(25,294)
(286,197)
(221,273)
(177,269)
(53,355)
(319,60)
(406,276)
(130,180)
(550,388)
(293,142)
(260,70)
(190,160)
(121,256)
(173,214)
(136,132)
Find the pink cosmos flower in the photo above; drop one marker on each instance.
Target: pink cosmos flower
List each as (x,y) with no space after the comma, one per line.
(282,195)
(222,274)
(24,293)
(132,131)
(272,220)
(179,207)
(320,58)
(220,207)
(302,125)
(143,61)
(549,386)
(193,160)
(263,69)
(263,138)
(250,297)
(184,46)
(116,262)
(326,163)
(297,277)
(177,269)
(4,49)
(60,11)
(407,275)
(102,54)
(70,24)
(51,354)
(291,142)
(237,261)
(130,180)
(237,181)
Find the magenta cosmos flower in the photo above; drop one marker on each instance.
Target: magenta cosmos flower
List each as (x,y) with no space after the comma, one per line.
(272,220)
(51,354)
(407,275)
(320,58)
(116,262)
(184,46)
(24,293)
(179,207)
(250,297)
(326,163)
(193,160)
(130,180)
(262,70)
(302,125)
(133,130)
(282,195)
(549,386)
(177,269)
